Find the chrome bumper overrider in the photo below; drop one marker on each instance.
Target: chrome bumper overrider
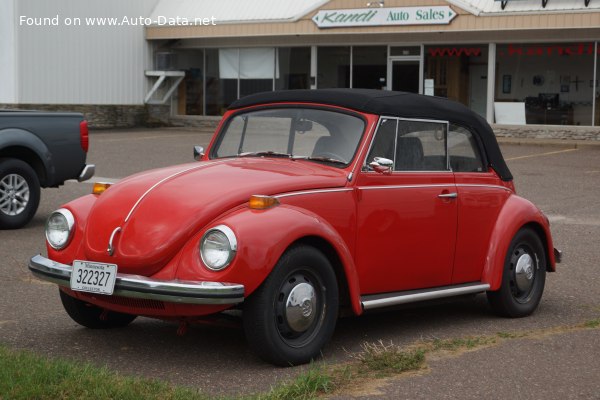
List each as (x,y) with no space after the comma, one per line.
(141,287)
(558,255)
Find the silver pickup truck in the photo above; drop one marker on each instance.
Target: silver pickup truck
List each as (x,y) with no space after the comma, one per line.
(38,149)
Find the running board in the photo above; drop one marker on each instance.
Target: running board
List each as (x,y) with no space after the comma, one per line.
(393,299)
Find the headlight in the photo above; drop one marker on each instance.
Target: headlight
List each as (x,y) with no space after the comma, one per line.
(59,228)
(218,247)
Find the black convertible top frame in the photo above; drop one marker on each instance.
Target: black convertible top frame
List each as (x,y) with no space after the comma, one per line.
(396,104)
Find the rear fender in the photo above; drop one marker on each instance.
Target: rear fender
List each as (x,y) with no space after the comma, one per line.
(262,237)
(23,139)
(516,214)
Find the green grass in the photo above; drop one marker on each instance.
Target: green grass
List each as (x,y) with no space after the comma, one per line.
(593,323)
(309,385)
(461,343)
(389,359)
(24,375)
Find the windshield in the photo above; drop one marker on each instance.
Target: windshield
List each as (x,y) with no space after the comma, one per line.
(298,133)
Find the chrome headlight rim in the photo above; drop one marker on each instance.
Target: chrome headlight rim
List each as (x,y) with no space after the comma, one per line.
(70,224)
(231,238)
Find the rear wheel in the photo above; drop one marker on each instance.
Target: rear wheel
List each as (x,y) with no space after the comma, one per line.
(292,315)
(92,316)
(523,278)
(19,193)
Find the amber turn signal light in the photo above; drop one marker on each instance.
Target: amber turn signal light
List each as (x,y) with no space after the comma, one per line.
(260,202)
(100,187)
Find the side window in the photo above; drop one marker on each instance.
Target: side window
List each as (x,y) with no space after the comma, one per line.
(463,149)
(421,146)
(385,140)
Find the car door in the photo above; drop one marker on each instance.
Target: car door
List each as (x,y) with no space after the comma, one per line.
(481,196)
(406,229)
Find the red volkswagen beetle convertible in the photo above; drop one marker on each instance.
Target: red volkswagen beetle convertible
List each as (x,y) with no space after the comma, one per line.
(306,203)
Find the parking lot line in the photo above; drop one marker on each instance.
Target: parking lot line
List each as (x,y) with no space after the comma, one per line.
(540,154)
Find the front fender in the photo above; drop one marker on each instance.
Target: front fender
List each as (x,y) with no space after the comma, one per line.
(263,236)
(516,213)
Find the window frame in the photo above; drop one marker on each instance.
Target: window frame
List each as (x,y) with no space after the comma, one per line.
(365,167)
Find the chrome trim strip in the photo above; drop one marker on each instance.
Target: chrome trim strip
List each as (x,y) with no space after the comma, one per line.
(88,171)
(406,186)
(141,287)
(481,185)
(312,192)
(413,296)
(164,180)
(431,186)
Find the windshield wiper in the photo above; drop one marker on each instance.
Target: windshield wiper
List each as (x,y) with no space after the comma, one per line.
(325,159)
(264,154)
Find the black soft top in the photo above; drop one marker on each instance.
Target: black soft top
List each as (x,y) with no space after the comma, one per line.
(393,104)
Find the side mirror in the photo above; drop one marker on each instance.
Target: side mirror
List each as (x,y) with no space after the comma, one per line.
(198,152)
(382,165)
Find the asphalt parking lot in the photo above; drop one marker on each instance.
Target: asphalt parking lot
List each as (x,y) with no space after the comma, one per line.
(554,362)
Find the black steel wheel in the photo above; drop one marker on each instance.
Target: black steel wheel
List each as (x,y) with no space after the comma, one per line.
(292,315)
(523,278)
(92,316)
(19,193)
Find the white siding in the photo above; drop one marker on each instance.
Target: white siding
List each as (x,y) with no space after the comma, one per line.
(230,11)
(8,53)
(491,7)
(82,64)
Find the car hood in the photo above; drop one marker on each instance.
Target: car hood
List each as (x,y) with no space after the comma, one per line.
(158,211)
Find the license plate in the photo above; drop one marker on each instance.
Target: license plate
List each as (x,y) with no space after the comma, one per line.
(94,277)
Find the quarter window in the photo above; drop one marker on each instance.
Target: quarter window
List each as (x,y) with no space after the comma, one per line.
(463,149)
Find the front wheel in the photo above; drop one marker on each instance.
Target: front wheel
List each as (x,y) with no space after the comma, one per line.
(92,316)
(523,278)
(19,193)
(292,315)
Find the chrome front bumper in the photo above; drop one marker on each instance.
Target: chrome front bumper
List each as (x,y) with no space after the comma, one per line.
(141,287)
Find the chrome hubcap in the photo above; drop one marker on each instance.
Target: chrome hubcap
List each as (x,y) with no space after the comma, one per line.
(14,194)
(524,272)
(299,307)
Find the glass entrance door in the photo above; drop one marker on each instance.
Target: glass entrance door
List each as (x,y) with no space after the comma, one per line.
(405,75)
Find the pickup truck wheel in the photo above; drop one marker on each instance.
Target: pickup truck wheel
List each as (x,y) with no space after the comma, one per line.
(523,277)
(19,193)
(90,316)
(292,315)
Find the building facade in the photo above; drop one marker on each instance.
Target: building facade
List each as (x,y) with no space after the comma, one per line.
(518,62)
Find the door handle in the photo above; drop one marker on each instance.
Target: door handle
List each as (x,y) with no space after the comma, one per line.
(448,195)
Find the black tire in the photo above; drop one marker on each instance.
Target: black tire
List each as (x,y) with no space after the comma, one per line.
(523,278)
(90,316)
(19,193)
(287,336)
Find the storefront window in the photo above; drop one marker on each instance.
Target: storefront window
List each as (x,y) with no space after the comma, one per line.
(333,67)
(293,68)
(257,70)
(190,94)
(221,80)
(459,72)
(597,88)
(554,82)
(369,67)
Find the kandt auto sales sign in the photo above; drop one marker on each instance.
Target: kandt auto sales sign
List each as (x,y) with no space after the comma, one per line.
(426,15)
